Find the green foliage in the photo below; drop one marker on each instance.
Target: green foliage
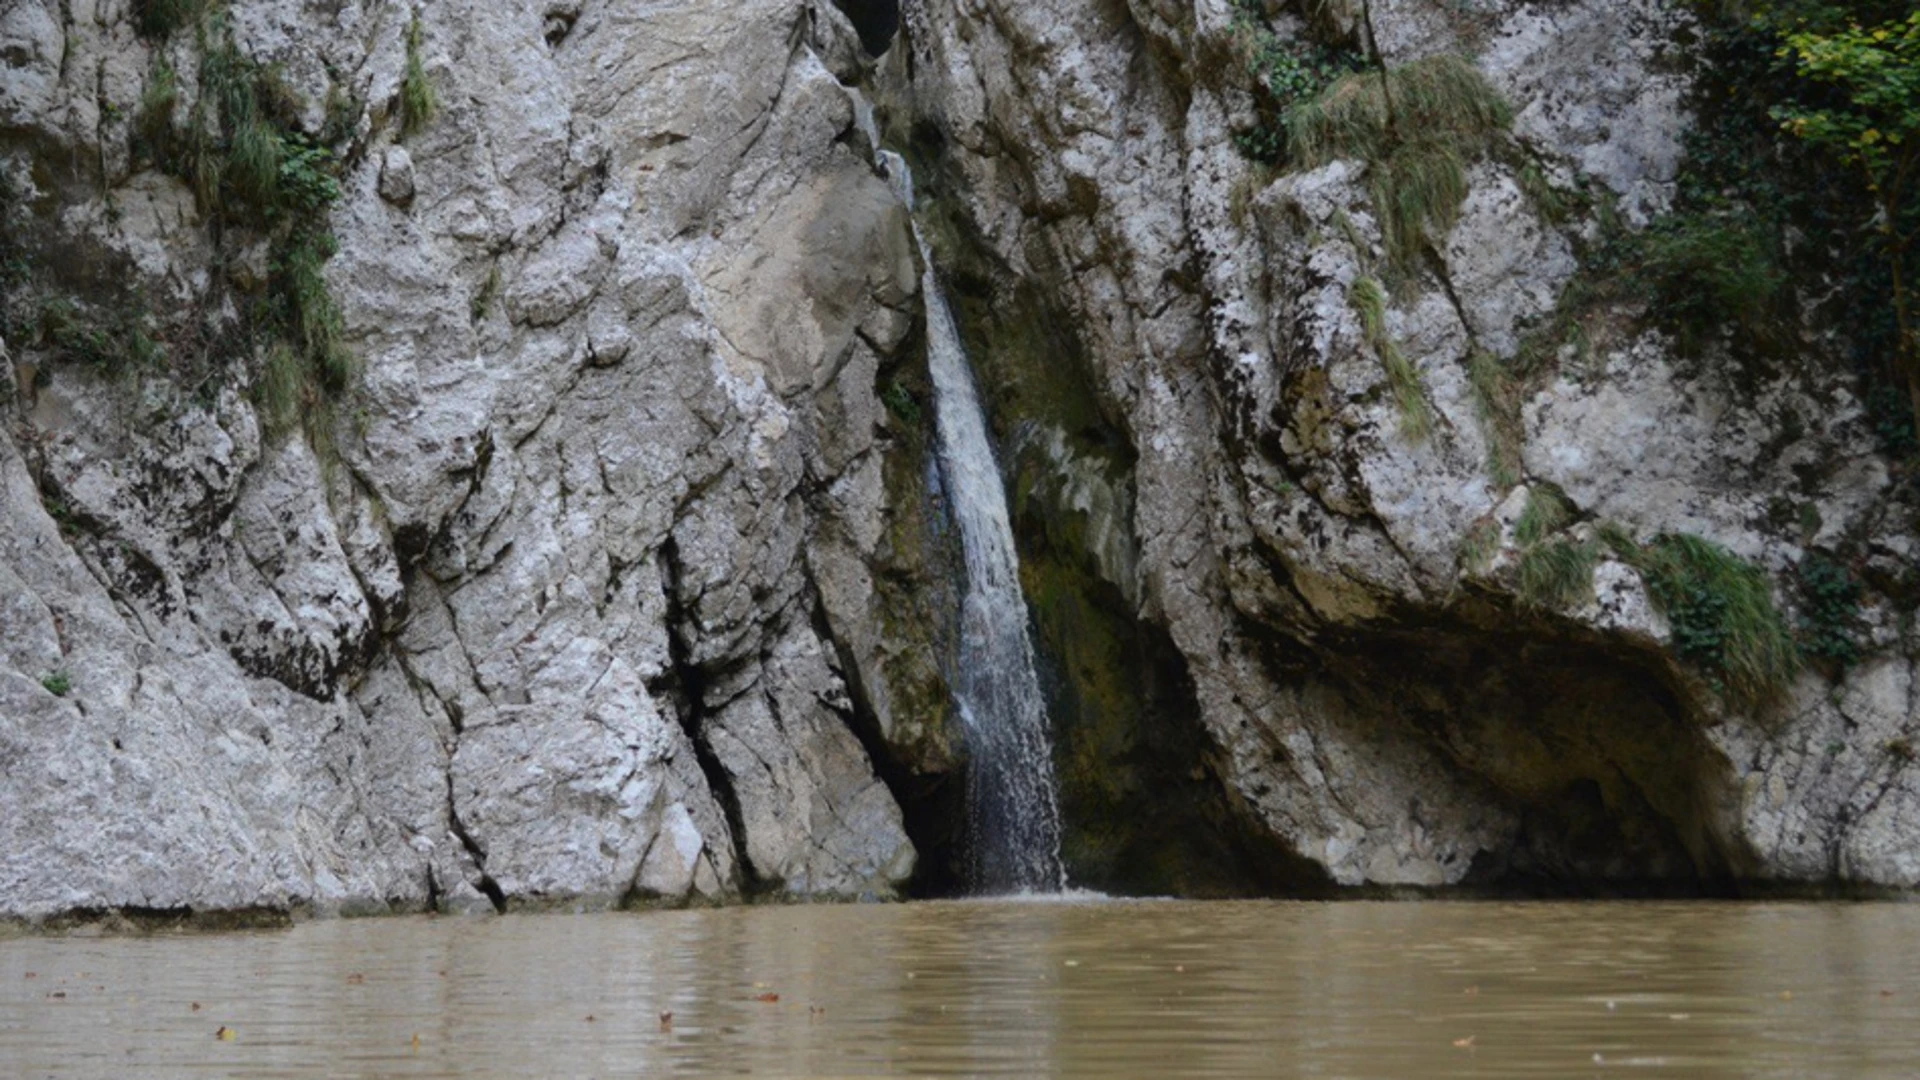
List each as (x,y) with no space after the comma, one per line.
(159,19)
(116,341)
(900,402)
(1369,301)
(1788,94)
(1873,124)
(1558,574)
(1721,611)
(1701,272)
(1829,611)
(252,168)
(418,101)
(1496,401)
(153,120)
(1286,72)
(1416,126)
(57,683)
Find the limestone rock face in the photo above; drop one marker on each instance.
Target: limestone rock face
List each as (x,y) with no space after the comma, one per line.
(536,621)
(615,569)
(1344,588)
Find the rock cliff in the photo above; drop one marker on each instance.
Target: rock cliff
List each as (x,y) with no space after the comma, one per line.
(1348,467)
(574,597)
(522,492)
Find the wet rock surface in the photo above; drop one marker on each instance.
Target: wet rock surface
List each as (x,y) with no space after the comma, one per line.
(620,572)
(1344,590)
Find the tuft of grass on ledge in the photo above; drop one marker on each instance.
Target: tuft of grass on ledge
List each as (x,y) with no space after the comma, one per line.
(1546,512)
(1558,575)
(1416,126)
(1723,617)
(1496,401)
(1369,300)
(418,101)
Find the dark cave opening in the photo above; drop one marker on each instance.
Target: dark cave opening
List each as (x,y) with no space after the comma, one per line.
(876,21)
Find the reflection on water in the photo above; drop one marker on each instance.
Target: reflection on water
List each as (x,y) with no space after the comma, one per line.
(1104,989)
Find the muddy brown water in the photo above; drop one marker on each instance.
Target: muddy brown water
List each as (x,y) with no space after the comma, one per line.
(1081,988)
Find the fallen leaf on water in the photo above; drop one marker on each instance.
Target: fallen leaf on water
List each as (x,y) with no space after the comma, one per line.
(58,994)
(225,1034)
(666,1021)
(356,979)
(416,1041)
(1464,1044)
(1471,991)
(589,1018)
(816,1011)
(759,986)
(1786,995)
(195,1007)
(1886,993)
(1073,963)
(1179,967)
(766,997)
(33,974)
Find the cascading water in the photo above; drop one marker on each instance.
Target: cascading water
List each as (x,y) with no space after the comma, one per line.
(1013,814)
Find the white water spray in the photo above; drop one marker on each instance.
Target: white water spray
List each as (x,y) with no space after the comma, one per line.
(1013,815)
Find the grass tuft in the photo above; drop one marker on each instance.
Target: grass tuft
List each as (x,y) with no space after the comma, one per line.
(1479,546)
(153,120)
(1546,512)
(1369,301)
(1723,617)
(1416,126)
(1558,575)
(418,101)
(1496,400)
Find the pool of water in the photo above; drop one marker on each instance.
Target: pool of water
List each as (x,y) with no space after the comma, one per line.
(993,988)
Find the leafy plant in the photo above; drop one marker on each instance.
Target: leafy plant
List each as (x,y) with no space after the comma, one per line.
(1703,271)
(1766,66)
(1722,615)
(1871,123)
(57,683)
(1286,73)
(115,341)
(900,402)
(1829,610)
(159,19)
(1369,301)
(252,168)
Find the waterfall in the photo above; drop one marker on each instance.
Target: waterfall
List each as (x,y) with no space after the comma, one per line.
(1013,817)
